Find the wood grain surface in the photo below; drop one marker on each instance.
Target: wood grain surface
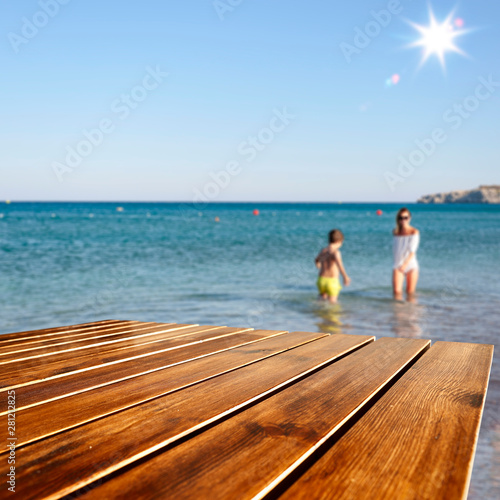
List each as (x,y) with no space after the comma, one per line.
(132,336)
(67,461)
(417,442)
(56,416)
(243,457)
(29,371)
(36,334)
(68,338)
(56,388)
(125,409)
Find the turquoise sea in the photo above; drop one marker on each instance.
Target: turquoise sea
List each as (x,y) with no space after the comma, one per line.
(67,263)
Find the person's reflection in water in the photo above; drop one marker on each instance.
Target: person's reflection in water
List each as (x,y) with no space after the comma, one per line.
(330,316)
(407,318)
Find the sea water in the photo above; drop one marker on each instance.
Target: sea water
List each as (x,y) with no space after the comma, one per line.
(219,264)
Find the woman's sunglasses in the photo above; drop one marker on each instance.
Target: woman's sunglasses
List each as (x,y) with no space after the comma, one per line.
(403,217)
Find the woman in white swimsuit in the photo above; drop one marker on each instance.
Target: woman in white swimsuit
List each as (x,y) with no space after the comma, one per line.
(404,248)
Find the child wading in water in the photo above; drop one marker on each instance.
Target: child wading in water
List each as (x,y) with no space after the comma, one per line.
(329,263)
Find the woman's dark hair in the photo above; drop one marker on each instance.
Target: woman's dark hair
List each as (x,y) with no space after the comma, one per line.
(401,211)
(335,236)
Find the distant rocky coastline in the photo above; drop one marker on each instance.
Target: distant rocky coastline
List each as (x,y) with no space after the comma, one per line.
(482,194)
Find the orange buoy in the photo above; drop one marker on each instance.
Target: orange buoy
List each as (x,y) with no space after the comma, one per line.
(379,212)
(217,219)
(256,212)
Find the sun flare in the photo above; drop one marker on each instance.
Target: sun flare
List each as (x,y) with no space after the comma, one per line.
(439,38)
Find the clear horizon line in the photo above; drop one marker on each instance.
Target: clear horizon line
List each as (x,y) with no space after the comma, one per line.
(6,202)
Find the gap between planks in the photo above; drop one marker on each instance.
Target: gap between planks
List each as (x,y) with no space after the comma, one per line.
(7,337)
(255,449)
(54,417)
(68,338)
(89,361)
(48,390)
(441,400)
(128,336)
(191,409)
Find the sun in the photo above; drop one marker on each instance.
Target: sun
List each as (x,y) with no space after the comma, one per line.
(439,38)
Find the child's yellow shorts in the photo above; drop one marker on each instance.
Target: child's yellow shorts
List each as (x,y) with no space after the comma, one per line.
(330,286)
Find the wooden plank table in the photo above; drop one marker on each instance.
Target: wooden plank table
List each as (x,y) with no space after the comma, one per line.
(124,409)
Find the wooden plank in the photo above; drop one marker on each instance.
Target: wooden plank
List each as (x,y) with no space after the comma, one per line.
(103,337)
(162,333)
(53,389)
(26,372)
(66,336)
(59,329)
(40,347)
(440,401)
(141,334)
(65,462)
(258,448)
(56,416)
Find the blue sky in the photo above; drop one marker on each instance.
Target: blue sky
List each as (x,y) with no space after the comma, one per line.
(243,101)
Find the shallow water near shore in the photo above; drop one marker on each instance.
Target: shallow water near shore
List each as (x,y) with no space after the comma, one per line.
(67,263)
